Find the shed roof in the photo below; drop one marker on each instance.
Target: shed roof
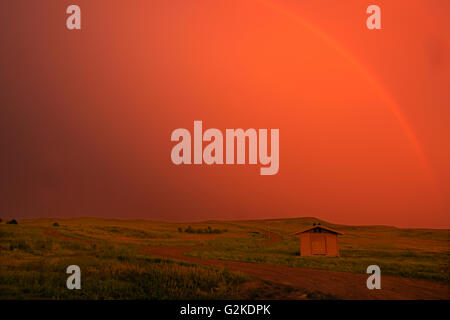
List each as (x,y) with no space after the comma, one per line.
(318,226)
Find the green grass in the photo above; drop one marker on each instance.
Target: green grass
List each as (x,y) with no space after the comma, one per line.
(33,266)
(114,266)
(406,264)
(412,253)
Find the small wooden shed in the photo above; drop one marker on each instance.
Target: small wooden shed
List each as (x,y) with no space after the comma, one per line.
(319,240)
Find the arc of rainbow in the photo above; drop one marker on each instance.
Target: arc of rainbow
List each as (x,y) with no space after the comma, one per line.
(390,102)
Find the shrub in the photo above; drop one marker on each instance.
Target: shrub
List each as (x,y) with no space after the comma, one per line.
(204,230)
(180,229)
(13,221)
(56,224)
(20,245)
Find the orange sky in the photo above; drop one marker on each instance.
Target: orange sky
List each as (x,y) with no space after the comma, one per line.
(86,116)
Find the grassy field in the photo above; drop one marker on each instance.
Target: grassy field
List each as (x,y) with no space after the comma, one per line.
(413,253)
(35,254)
(33,266)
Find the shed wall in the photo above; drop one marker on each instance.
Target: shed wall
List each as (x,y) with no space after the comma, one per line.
(332,247)
(305,244)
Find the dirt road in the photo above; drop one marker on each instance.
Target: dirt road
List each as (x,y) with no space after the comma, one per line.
(58,235)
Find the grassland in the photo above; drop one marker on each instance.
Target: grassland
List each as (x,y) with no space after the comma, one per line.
(33,266)
(412,253)
(35,254)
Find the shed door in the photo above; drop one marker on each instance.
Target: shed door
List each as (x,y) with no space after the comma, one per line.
(318,244)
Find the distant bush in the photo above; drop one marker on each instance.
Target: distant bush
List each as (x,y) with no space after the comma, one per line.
(1,220)
(56,224)
(180,229)
(20,245)
(134,233)
(208,229)
(13,221)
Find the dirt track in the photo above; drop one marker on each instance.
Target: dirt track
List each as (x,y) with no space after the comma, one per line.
(58,235)
(342,285)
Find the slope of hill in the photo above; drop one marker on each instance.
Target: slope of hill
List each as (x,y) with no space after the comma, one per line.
(125,259)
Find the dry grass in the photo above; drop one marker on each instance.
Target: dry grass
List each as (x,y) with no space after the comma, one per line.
(35,254)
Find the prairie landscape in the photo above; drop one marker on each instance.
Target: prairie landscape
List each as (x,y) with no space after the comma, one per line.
(255,259)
